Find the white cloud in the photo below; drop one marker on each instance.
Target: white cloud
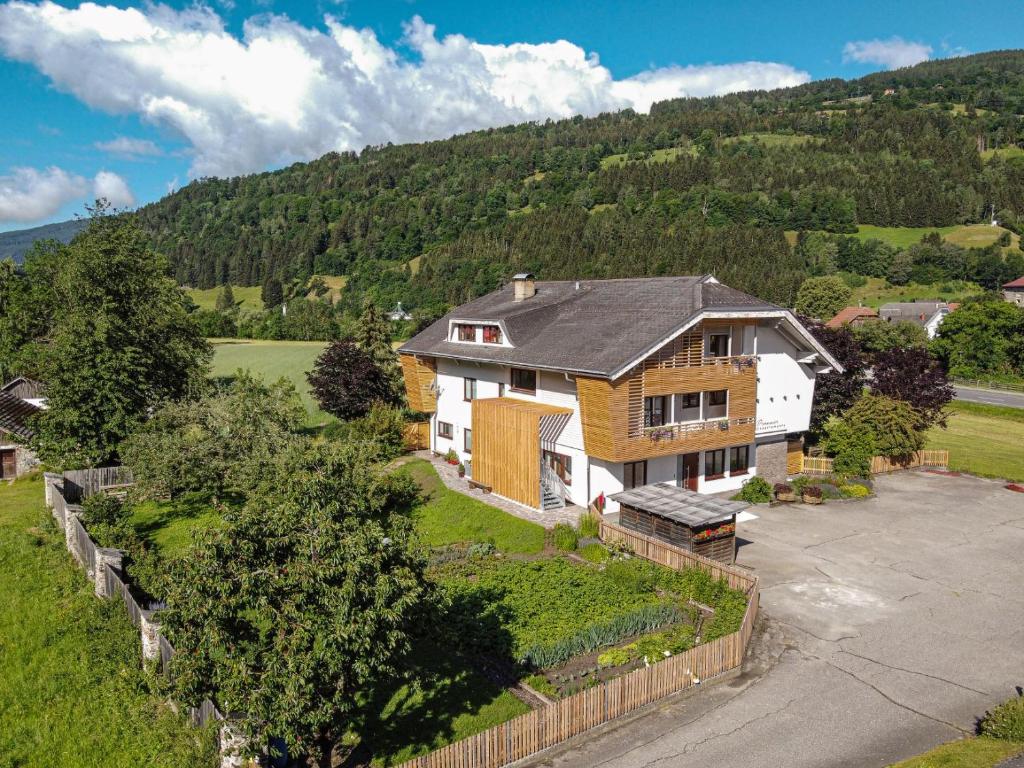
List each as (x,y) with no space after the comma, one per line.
(28,195)
(113,188)
(132,149)
(285,92)
(891,54)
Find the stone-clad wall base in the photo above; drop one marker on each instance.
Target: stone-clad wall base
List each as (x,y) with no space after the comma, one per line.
(771,460)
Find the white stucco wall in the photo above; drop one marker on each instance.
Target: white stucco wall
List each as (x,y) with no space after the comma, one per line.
(785,388)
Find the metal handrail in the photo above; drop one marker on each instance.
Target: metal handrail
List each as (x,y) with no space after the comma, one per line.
(550,480)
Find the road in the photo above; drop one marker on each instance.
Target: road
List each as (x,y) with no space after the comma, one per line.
(889,626)
(990,396)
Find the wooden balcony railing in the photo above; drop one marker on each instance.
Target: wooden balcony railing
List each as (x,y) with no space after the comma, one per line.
(677,431)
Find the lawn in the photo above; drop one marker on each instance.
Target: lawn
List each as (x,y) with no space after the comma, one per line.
(74,693)
(272,360)
(773,140)
(878,291)
(966,235)
(656,156)
(168,525)
(983,440)
(1005,153)
(247,297)
(980,752)
(449,517)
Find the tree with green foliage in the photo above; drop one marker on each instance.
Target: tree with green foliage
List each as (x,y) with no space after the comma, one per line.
(835,392)
(984,337)
(822,297)
(893,425)
(272,293)
(226,299)
(303,600)
(221,442)
(373,335)
(850,447)
(877,335)
(111,338)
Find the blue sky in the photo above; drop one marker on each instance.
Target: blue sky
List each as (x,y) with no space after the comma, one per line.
(131,100)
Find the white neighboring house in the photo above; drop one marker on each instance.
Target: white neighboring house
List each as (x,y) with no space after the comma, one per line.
(398,313)
(559,392)
(928,314)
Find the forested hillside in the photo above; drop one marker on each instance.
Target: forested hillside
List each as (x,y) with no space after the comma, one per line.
(698,185)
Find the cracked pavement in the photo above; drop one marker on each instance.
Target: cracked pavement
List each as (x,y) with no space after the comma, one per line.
(888,627)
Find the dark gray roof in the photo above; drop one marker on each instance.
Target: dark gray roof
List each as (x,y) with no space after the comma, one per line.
(680,504)
(918,312)
(23,387)
(14,415)
(596,328)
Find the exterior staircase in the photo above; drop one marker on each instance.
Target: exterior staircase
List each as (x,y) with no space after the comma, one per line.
(552,489)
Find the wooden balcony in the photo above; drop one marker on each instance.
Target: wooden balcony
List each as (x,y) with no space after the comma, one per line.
(420,377)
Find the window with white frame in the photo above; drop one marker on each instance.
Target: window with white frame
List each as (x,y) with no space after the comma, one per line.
(716,404)
(656,411)
(687,407)
(718,344)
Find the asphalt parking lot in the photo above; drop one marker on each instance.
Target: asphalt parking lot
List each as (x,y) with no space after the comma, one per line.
(889,626)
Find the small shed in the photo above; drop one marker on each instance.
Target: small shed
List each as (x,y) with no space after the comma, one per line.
(705,525)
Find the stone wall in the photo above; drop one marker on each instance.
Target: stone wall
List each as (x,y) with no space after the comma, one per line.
(771,460)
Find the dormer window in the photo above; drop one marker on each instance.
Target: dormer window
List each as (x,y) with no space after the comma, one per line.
(467,332)
(492,334)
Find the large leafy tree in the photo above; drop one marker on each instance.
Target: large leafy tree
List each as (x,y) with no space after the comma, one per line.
(373,334)
(894,425)
(822,297)
(110,336)
(303,600)
(346,381)
(983,337)
(878,335)
(835,392)
(915,377)
(220,442)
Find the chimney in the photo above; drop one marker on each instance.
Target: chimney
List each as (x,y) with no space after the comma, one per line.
(523,286)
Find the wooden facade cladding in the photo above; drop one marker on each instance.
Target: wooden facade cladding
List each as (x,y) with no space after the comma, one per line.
(420,375)
(506,446)
(611,412)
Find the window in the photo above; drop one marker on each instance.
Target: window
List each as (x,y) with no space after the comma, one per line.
(492,334)
(688,406)
(467,440)
(654,411)
(468,389)
(714,464)
(717,402)
(634,474)
(467,332)
(739,460)
(444,429)
(560,464)
(524,381)
(718,345)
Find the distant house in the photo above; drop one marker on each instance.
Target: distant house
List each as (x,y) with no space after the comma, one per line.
(1013,291)
(398,313)
(15,431)
(851,316)
(889,92)
(927,314)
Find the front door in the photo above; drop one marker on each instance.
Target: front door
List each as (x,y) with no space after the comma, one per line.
(8,465)
(686,472)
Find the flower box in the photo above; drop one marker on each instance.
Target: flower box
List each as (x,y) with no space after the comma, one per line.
(784,492)
(811,495)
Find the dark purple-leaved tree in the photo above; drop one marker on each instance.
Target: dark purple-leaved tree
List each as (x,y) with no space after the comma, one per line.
(835,392)
(912,375)
(346,381)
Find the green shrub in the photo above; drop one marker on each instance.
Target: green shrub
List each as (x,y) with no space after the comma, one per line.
(615,657)
(892,424)
(383,425)
(542,685)
(588,526)
(756,490)
(565,537)
(850,447)
(595,553)
(854,491)
(1005,721)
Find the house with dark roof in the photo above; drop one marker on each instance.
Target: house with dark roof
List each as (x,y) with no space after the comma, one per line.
(853,316)
(15,431)
(26,389)
(567,391)
(1013,291)
(927,314)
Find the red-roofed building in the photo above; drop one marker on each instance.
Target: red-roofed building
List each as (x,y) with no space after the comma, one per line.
(851,316)
(1013,291)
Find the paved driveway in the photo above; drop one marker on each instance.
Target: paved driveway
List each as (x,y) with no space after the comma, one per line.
(890,625)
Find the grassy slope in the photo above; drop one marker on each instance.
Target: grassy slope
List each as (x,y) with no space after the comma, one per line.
(981,752)
(246,296)
(878,291)
(272,360)
(983,439)
(169,524)
(73,692)
(1006,153)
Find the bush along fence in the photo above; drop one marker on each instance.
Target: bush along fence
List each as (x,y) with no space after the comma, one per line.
(822,465)
(104,568)
(561,720)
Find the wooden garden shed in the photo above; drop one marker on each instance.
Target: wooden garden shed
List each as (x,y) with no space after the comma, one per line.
(689,520)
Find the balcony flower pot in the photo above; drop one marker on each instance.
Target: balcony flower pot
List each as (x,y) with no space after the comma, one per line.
(784,492)
(811,495)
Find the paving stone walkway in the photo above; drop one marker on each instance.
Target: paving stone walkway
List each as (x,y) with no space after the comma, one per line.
(450,477)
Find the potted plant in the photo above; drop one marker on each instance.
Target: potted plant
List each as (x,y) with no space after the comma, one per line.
(811,495)
(462,469)
(451,457)
(784,492)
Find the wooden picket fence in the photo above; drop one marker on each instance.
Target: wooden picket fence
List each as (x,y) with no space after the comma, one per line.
(561,720)
(822,465)
(417,435)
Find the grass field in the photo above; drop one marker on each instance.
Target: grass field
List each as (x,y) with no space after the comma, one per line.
(74,693)
(980,752)
(1005,153)
(773,140)
(656,156)
(168,525)
(965,235)
(272,360)
(246,296)
(878,291)
(984,440)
